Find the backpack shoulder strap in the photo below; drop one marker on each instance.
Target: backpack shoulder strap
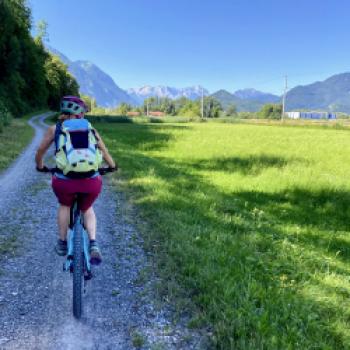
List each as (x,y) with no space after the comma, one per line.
(58,132)
(95,135)
(93,131)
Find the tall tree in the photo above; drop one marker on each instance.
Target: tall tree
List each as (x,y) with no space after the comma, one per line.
(231,110)
(212,107)
(89,101)
(190,109)
(124,108)
(59,81)
(29,76)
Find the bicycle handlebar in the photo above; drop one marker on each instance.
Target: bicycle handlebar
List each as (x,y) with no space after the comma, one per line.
(102,171)
(106,170)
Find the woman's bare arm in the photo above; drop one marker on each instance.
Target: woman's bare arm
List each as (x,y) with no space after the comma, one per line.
(44,146)
(106,156)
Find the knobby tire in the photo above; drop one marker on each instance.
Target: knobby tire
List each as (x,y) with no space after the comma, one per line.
(78,261)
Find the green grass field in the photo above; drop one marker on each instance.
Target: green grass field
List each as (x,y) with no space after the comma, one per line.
(13,139)
(251,221)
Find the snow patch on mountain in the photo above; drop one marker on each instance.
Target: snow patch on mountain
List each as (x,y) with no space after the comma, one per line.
(161,91)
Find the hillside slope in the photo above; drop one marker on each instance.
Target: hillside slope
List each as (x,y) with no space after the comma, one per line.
(331,94)
(93,81)
(248,104)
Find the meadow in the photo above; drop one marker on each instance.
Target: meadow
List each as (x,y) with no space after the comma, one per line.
(249,223)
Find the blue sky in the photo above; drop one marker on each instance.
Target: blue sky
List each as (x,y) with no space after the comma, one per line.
(230,44)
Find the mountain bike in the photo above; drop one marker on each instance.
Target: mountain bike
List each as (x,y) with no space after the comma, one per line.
(78,256)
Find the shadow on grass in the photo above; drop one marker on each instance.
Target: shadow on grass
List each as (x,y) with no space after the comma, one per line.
(326,209)
(252,165)
(231,252)
(139,137)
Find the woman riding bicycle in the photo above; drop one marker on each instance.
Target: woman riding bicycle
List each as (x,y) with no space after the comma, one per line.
(79,148)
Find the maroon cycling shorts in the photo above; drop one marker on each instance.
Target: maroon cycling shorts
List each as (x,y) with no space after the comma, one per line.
(66,190)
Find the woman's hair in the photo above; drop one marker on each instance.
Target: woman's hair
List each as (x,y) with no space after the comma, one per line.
(64,117)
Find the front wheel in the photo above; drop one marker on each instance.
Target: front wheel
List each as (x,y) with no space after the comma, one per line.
(78,261)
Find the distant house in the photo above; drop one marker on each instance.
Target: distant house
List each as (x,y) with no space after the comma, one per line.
(133,114)
(157,114)
(311,115)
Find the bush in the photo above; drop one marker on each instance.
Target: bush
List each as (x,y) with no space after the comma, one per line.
(5,115)
(247,115)
(231,111)
(108,119)
(270,111)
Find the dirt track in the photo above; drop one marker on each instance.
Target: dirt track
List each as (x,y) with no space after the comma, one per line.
(35,294)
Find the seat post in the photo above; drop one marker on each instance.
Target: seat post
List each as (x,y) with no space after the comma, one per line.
(73,209)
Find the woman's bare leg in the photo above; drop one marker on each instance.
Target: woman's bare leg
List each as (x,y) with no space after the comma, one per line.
(63,221)
(90,223)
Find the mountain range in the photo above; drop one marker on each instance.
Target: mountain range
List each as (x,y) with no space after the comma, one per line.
(255,95)
(95,82)
(244,100)
(140,94)
(249,100)
(332,94)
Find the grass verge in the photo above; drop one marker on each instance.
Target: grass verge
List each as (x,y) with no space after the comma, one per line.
(8,245)
(251,222)
(13,140)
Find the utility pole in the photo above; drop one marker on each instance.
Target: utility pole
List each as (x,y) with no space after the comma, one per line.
(284,96)
(202,103)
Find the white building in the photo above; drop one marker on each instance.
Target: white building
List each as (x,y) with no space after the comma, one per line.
(311,115)
(293,115)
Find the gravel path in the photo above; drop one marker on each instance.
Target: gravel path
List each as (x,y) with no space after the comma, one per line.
(35,294)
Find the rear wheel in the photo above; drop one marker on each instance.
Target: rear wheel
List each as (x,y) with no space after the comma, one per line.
(78,273)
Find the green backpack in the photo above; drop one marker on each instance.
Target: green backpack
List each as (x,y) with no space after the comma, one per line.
(77,154)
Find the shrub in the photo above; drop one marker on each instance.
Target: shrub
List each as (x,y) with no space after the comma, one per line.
(5,115)
(270,111)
